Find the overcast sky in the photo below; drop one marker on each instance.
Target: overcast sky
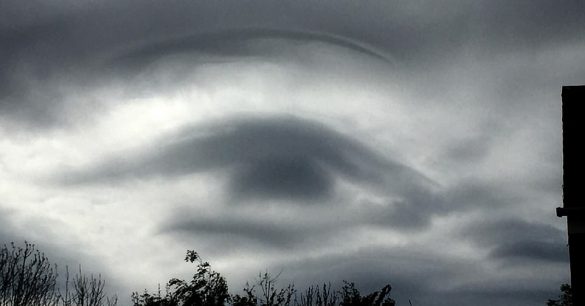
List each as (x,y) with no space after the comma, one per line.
(410,142)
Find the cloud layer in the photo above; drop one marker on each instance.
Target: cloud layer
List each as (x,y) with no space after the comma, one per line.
(403,142)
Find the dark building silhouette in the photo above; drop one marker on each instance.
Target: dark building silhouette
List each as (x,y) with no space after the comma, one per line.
(573,156)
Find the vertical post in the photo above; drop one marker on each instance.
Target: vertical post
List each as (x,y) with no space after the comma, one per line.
(573,160)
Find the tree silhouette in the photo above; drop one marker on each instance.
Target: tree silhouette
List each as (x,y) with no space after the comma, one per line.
(87,291)
(28,278)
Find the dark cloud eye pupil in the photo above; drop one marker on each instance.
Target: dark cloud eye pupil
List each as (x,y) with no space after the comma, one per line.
(283,177)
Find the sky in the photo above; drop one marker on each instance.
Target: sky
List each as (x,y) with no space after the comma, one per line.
(405,142)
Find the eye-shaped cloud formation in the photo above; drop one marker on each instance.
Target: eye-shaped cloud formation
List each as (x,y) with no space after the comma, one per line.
(278,159)
(281,157)
(470,99)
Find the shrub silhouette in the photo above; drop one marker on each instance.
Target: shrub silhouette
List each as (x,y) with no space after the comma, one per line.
(207,288)
(565,299)
(319,296)
(265,293)
(350,296)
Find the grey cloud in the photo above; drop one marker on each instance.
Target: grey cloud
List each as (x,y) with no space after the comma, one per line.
(302,154)
(29,56)
(513,239)
(494,231)
(408,210)
(72,41)
(278,158)
(517,293)
(469,150)
(473,192)
(283,177)
(291,158)
(423,277)
(403,27)
(234,231)
(414,210)
(411,213)
(528,24)
(75,40)
(534,250)
(370,269)
(7,233)
(308,227)
(237,231)
(509,58)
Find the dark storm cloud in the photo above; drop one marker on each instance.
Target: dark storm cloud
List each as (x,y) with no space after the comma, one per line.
(512,239)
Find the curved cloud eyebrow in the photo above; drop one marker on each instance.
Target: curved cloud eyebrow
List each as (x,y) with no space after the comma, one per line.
(235,42)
